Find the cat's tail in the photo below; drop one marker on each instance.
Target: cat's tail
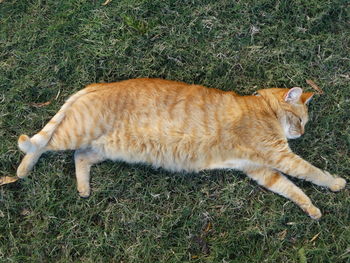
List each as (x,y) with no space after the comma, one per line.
(40,140)
(35,146)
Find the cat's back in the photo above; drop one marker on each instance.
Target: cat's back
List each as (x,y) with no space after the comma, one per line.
(152,86)
(156,98)
(134,94)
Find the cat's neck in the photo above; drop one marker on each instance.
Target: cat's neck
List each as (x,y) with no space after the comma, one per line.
(272,104)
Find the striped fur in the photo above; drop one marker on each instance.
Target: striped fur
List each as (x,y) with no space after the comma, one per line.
(40,140)
(183,127)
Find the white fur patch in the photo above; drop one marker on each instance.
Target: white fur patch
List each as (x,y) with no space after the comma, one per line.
(238,164)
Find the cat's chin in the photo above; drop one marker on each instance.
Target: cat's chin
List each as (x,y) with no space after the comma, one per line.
(295,136)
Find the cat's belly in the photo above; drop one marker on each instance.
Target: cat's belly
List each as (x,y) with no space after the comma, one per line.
(179,156)
(237,164)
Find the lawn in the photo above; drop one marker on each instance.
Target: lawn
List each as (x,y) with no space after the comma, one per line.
(50,49)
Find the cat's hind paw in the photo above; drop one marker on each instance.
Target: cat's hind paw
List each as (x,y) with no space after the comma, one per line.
(84,192)
(84,195)
(338,184)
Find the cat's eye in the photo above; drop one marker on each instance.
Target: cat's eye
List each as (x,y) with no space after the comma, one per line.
(299,119)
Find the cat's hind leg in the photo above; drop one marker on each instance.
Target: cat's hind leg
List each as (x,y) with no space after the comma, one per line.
(28,162)
(276,182)
(33,152)
(26,165)
(84,159)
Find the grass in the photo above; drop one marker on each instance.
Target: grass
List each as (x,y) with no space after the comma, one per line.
(50,49)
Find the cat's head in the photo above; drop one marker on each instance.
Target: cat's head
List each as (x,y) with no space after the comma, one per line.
(290,106)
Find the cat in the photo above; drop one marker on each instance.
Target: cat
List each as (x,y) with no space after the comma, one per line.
(183,127)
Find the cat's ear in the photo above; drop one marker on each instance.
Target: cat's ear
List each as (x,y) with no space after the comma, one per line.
(293,95)
(306,97)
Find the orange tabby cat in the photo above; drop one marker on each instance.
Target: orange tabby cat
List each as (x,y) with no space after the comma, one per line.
(183,127)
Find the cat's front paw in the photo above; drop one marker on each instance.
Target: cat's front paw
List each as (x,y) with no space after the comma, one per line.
(338,184)
(314,213)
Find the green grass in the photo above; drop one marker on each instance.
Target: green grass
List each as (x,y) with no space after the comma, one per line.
(50,49)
